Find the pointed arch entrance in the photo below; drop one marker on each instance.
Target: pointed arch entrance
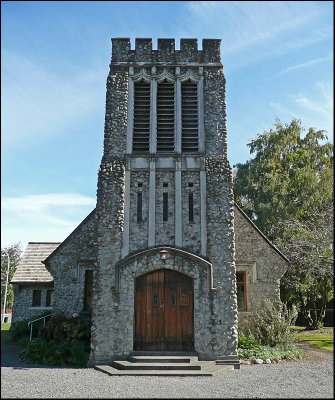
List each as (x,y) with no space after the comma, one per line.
(164,311)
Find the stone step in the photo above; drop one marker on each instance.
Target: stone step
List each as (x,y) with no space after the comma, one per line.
(163,359)
(208,370)
(155,366)
(164,353)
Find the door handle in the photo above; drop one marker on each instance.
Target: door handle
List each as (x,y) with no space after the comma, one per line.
(161,303)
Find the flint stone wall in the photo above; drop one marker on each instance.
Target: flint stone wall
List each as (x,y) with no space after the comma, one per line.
(23,297)
(138,231)
(67,266)
(191,230)
(166,52)
(263,264)
(165,233)
(209,341)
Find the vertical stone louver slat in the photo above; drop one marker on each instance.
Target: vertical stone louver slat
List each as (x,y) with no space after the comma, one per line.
(178,112)
(178,207)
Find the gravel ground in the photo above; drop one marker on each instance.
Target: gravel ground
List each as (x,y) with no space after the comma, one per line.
(309,379)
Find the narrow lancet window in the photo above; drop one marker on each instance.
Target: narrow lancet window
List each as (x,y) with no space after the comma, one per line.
(139,207)
(165,206)
(190,207)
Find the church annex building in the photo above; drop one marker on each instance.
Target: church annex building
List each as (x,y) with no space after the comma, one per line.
(166,261)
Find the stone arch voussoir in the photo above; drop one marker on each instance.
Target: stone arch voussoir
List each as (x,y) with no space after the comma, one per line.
(153,259)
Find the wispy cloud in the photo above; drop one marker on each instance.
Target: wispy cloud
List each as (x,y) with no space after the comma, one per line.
(307,64)
(321,106)
(287,112)
(38,102)
(51,216)
(315,109)
(254,31)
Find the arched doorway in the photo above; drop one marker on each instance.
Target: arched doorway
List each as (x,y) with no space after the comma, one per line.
(164,311)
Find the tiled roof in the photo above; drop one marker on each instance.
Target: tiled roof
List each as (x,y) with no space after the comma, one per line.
(31,269)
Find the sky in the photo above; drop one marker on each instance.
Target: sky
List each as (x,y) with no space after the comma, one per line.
(277,59)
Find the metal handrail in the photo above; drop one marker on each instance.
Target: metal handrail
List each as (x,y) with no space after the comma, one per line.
(30,324)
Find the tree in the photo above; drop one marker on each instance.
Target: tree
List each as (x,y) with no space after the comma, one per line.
(287,190)
(309,282)
(289,175)
(14,251)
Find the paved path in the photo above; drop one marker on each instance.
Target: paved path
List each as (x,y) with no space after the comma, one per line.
(309,379)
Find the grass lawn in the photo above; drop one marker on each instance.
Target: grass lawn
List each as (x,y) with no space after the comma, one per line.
(322,339)
(5,326)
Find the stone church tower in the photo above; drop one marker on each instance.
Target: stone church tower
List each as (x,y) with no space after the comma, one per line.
(165,276)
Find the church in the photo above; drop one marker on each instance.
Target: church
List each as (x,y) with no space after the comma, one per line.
(166,261)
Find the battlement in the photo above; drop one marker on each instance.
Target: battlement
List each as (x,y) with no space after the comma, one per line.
(166,52)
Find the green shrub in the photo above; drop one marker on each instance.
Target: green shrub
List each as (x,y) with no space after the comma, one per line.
(270,325)
(246,342)
(20,330)
(319,325)
(62,328)
(62,342)
(272,353)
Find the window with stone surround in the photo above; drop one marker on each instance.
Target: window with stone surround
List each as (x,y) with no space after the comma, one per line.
(241,290)
(37,295)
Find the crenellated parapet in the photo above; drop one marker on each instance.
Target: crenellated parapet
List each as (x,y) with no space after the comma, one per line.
(166,51)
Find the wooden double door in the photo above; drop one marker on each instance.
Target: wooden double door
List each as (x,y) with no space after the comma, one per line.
(164,311)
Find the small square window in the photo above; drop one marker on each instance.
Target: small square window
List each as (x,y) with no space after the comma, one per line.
(190,184)
(165,184)
(140,184)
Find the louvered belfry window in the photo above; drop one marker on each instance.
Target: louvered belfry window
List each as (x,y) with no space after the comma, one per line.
(165,117)
(141,131)
(189,113)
